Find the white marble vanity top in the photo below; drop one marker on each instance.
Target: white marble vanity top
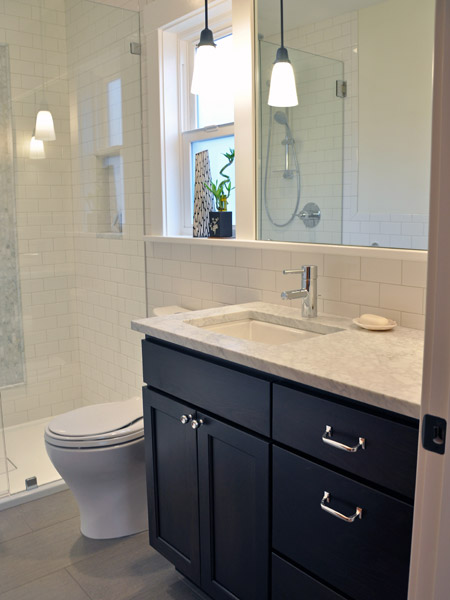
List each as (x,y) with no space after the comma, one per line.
(381,368)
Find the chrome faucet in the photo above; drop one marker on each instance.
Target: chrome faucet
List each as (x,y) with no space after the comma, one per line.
(308,290)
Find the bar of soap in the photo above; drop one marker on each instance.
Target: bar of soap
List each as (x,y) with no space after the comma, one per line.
(374,320)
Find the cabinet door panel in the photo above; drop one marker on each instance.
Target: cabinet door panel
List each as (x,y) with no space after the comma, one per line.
(368,558)
(234,512)
(172,483)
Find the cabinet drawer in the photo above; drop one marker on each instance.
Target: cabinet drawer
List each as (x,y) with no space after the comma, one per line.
(289,583)
(233,395)
(389,457)
(367,558)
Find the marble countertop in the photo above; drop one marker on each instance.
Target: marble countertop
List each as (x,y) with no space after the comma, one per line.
(381,368)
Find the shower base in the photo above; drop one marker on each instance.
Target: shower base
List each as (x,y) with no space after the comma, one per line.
(27,457)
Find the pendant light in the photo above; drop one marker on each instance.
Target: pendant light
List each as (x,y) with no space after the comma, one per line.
(204,61)
(283,91)
(37,149)
(44,129)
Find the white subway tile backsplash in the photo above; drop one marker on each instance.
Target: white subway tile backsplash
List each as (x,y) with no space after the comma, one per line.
(345,267)
(348,285)
(360,292)
(414,273)
(381,270)
(402,297)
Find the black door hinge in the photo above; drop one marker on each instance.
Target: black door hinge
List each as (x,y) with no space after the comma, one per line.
(433,434)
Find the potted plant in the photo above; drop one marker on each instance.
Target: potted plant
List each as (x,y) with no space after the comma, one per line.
(220,220)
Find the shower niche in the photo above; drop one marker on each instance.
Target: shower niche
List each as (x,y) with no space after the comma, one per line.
(300,152)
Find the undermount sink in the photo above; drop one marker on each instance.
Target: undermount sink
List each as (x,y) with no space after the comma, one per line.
(258,328)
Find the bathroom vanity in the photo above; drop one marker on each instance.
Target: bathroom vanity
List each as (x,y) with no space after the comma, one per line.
(261,485)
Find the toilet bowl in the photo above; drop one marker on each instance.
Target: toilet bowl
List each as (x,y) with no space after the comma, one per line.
(99,452)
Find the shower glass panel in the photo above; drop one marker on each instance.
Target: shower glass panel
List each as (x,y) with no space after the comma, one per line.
(70,222)
(300,152)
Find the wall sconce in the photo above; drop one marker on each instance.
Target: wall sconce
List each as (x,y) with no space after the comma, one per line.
(204,59)
(283,91)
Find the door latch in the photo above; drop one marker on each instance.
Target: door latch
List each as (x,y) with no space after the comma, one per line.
(433,434)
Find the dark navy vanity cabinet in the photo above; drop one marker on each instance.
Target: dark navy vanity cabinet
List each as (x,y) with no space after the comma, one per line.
(261,488)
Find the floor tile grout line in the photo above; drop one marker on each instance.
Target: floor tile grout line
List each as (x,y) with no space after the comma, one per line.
(78,583)
(34,531)
(17,587)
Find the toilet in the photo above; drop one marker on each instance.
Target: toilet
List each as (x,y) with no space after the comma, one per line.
(99,452)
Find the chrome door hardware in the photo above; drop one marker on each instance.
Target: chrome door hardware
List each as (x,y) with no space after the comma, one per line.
(185,419)
(326,439)
(341,88)
(196,424)
(324,506)
(135,48)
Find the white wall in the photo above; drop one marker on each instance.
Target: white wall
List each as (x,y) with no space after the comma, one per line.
(109,267)
(395,52)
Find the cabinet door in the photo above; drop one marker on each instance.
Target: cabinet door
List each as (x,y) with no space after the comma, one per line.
(234,512)
(172,482)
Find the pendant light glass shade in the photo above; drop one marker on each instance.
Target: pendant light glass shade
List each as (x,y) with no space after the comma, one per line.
(45,129)
(37,149)
(283,90)
(204,61)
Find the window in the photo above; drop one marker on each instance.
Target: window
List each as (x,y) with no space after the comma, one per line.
(187,123)
(212,115)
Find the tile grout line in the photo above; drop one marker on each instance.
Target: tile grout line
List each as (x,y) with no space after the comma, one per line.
(78,583)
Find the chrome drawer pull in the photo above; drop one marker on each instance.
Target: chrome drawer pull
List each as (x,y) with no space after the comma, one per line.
(326,439)
(335,513)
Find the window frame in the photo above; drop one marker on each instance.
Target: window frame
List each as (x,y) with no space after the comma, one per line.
(188,132)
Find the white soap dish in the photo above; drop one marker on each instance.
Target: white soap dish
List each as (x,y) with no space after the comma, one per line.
(389,325)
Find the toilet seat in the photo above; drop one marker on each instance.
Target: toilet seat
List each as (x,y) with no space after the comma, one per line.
(99,425)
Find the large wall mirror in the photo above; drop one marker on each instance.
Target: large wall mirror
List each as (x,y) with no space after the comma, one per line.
(350,164)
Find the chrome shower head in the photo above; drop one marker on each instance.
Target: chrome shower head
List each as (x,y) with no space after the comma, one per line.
(281,118)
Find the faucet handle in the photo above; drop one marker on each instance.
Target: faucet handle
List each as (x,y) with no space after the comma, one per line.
(293,271)
(309,271)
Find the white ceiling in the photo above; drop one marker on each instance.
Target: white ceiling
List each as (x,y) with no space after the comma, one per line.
(302,12)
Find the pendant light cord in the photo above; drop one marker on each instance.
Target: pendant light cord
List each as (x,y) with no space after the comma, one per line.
(206,14)
(282,25)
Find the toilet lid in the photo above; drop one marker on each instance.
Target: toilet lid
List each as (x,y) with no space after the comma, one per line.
(99,420)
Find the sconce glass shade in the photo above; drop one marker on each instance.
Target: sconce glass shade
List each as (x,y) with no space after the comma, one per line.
(283,90)
(204,65)
(45,129)
(37,149)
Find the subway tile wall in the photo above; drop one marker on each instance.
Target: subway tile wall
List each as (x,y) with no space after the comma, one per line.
(80,286)
(203,275)
(36,35)
(109,263)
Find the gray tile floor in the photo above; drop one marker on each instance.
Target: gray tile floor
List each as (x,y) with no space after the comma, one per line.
(43,556)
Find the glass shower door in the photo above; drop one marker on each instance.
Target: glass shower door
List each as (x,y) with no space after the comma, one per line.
(300,152)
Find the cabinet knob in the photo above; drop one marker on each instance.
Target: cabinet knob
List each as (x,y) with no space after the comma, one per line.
(196,424)
(185,419)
